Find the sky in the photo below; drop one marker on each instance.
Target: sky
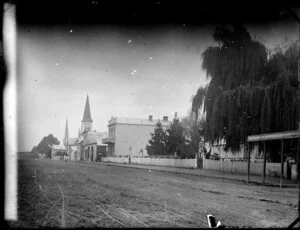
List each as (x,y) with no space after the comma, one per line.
(127,72)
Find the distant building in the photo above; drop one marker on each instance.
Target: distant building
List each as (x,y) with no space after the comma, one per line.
(73,151)
(70,145)
(88,145)
(129,136)
(57,152)
(92,145)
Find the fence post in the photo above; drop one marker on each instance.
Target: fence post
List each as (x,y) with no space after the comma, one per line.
(222,164)
(265,159)
(298,167)
(248,151)
(298,161)
(281,173)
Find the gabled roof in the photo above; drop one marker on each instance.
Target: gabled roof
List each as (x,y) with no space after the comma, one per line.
(87,112)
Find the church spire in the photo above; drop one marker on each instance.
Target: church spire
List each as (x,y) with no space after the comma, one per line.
(87,112)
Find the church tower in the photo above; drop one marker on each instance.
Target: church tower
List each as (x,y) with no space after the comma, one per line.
(86,122)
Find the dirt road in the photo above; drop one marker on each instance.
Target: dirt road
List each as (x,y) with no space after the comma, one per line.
(78,194)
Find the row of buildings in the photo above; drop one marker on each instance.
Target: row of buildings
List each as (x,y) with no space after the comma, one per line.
(125,136)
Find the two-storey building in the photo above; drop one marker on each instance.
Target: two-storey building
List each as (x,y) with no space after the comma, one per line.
(129,136)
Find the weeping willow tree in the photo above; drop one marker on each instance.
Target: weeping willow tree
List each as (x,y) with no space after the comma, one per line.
(248,93)
(197,127)
(197,101)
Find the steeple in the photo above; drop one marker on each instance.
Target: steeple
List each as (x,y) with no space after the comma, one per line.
(86,122)
(87,112)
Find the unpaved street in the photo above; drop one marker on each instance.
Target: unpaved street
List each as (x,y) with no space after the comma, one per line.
(77,194)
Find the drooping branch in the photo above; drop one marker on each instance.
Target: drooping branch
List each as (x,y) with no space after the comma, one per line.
(248,93)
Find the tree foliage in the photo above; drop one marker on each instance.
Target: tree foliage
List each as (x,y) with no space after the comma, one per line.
(157,143)
(44,145)
(193,130)
(175,140)
(198,99)
(249,93)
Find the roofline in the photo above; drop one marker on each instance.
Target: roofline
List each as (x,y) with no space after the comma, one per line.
(119,120)
(122,123)
(95,143)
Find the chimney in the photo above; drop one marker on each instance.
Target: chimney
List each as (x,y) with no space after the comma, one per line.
(165,118)
(150,117)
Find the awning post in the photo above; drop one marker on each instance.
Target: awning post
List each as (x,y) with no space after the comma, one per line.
(265,159)
(248,151)
(281,174)
(298,167)
(298,160)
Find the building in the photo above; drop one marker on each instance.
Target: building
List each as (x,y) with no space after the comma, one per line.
(129,136)
(70,145)
(92,146)
(87,146)
(58,152)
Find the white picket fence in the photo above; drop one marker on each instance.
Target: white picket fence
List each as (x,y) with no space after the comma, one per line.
(120,160)
(256,168)
(178,163)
